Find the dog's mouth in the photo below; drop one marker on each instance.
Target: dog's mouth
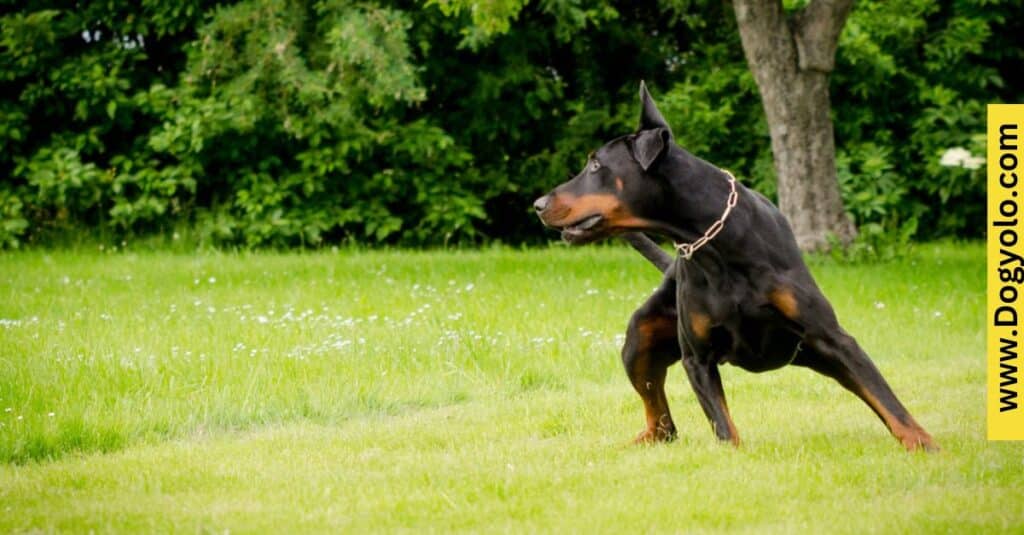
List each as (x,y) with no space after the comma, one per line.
(585,230)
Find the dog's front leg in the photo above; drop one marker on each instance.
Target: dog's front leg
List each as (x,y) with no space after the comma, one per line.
(651,346)
(694,327)
(707,383)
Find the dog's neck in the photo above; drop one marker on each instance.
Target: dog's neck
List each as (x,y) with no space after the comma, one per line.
(696,199)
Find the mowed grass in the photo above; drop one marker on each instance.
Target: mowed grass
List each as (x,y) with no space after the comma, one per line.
(480,391)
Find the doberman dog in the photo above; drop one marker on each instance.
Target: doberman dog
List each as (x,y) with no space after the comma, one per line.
(739,291)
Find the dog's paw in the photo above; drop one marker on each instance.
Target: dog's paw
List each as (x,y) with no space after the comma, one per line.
(920,442)
(653,436)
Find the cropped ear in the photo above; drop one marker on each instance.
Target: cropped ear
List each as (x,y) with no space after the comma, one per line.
(650,117)
(648,145)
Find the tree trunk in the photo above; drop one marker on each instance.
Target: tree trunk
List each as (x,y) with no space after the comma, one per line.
(791,60)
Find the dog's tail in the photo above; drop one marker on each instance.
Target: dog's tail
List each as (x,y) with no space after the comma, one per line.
(654,254)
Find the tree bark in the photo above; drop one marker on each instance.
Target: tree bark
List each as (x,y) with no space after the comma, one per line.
(791,60)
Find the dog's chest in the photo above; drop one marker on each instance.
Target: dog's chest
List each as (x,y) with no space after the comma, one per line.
(733,321)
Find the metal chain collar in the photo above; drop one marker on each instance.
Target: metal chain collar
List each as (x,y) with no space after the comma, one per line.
(686,250)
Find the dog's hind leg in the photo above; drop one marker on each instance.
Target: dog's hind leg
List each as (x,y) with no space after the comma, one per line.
(837,355)
(651,346)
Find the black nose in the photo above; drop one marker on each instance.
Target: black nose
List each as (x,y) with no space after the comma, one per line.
(541,203)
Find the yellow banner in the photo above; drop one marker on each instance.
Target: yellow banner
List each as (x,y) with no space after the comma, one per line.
(1005,400)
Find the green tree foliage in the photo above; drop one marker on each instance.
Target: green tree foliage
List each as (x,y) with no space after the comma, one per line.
(912,80)
(71,114)
(297,121)
(258,122)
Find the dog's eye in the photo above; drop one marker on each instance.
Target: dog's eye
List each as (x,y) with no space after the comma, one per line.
(594,166)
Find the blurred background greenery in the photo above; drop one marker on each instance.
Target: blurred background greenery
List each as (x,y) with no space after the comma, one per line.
(304,123)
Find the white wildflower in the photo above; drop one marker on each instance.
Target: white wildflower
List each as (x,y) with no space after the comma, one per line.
(961,157)
(974,162)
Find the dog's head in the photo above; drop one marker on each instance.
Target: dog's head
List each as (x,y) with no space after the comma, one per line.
(615,188)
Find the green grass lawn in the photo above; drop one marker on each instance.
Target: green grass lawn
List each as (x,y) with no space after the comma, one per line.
(474,391)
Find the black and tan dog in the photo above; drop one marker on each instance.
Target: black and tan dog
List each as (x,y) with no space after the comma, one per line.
(739,291)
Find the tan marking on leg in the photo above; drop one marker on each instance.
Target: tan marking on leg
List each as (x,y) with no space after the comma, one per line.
(733,432)
(650,384)
(651,387)
(701,324)
(785,302)
(618,183)
(732,427)
(655,328)
(911,435)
